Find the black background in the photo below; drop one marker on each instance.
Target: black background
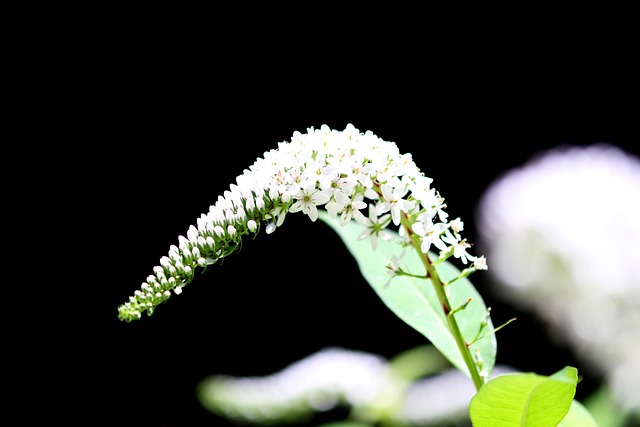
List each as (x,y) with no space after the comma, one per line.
(153,128)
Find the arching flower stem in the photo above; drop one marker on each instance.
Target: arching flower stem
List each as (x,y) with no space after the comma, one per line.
(438,286)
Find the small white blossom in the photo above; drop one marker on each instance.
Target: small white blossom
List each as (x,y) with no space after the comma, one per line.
(308,200)
(394,201)
(456,226)
(350,210)
(430,233)
(393,267)
(375,227)
(480,263)
(459,246)
(271,227)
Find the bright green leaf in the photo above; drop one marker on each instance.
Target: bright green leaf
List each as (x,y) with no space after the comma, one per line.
(414,300)
(524,400)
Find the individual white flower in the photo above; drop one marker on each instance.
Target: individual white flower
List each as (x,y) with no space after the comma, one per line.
(459,246)
(480,263)
(278,214)
(337,185)
(350,209)
(429,232)
(394,201)
(362,172)
(394,266)
(308,200)
(375,227)
(421,189)
(456,226)
(337,204)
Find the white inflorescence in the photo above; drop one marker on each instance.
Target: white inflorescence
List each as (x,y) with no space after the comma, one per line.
(353,175)
(335,377)
(563,234)
(329,378)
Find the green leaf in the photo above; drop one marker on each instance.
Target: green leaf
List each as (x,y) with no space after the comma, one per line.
(578,416)
(414,300)
(524,400)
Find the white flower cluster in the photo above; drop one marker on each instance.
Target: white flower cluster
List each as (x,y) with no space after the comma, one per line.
(563,234)
(320,382)
(336,377)
(346,172)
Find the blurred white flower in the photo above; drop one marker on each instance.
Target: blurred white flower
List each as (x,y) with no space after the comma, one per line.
(326,379)
(562,233)
(363,382)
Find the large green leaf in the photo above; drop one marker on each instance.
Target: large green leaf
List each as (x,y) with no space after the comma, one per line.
(525,400)
(414,300)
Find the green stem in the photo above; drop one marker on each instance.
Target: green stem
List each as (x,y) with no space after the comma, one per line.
(446,306)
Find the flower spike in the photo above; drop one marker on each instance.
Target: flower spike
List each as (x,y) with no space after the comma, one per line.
(348,173)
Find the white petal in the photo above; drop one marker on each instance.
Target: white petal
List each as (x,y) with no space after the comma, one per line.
(313,212)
